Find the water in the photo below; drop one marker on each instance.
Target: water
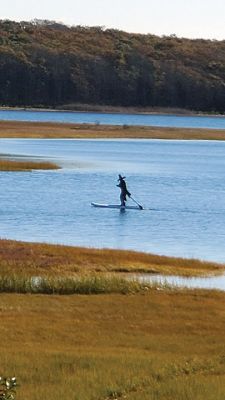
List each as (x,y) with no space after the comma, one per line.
(163,120)
(212,282)
(182,182)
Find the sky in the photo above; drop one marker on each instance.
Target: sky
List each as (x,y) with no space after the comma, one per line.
(184,18)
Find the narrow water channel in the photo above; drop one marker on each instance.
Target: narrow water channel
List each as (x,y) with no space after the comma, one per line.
(209,282)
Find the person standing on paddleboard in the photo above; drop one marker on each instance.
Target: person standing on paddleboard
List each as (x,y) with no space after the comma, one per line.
(124,192)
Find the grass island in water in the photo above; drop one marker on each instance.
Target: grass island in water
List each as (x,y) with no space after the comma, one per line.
(12,165)
(44,130)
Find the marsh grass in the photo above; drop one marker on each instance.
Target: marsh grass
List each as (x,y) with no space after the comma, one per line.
(12,165)
(92,284)
(19,129)
(44,260)
(163,345)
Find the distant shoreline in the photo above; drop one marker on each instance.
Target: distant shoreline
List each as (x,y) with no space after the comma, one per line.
(87,108)
(52,130)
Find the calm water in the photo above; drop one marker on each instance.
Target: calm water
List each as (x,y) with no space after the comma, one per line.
(115,119)
(213,282)
(182,182)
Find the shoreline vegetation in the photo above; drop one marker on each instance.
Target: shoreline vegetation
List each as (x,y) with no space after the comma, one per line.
(131,342)
(48,130)
(51,260)
(107,109)
(8,165)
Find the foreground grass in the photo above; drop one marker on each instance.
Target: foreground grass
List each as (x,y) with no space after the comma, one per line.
(12,165)
(156,345)
(34,259)
(18,129)
(92,284)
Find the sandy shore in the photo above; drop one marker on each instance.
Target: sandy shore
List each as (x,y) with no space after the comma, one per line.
(18,129)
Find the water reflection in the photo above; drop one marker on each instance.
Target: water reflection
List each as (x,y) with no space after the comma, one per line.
(209,282)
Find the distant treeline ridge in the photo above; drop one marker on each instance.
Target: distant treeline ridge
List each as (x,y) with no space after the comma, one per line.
(44,63)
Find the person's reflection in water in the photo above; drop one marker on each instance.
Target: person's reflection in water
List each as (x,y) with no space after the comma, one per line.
(122,229)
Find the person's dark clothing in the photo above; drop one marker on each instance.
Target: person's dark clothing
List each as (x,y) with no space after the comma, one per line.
(124,192)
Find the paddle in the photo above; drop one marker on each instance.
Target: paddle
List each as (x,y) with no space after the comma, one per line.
(141,208)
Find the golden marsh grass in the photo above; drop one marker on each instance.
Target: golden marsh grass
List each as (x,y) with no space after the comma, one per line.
(42,259)
(18,129)
(12,165)
(164,345)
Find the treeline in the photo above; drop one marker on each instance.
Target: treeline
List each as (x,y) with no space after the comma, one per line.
(44,63)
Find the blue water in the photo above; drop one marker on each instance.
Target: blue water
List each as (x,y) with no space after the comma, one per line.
(180,183)
(210,282)
(163,120)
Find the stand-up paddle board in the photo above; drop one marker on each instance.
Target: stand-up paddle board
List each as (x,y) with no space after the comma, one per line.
(118,206)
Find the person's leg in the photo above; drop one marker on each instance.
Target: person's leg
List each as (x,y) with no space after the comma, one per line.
(122,200)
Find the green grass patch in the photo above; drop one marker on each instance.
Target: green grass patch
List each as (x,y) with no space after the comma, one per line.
(92,284)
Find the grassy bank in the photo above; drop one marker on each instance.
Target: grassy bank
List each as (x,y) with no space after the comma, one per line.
(92,284)
(14,129)
(123,340)
(55,260)
(158,345)
(12,165)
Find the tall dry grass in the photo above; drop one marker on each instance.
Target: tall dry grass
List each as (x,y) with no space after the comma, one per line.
(92,284)
(19,129)
(12,165)
(45,259)
(158,345)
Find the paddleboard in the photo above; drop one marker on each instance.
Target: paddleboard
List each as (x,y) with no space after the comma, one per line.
(118,206)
